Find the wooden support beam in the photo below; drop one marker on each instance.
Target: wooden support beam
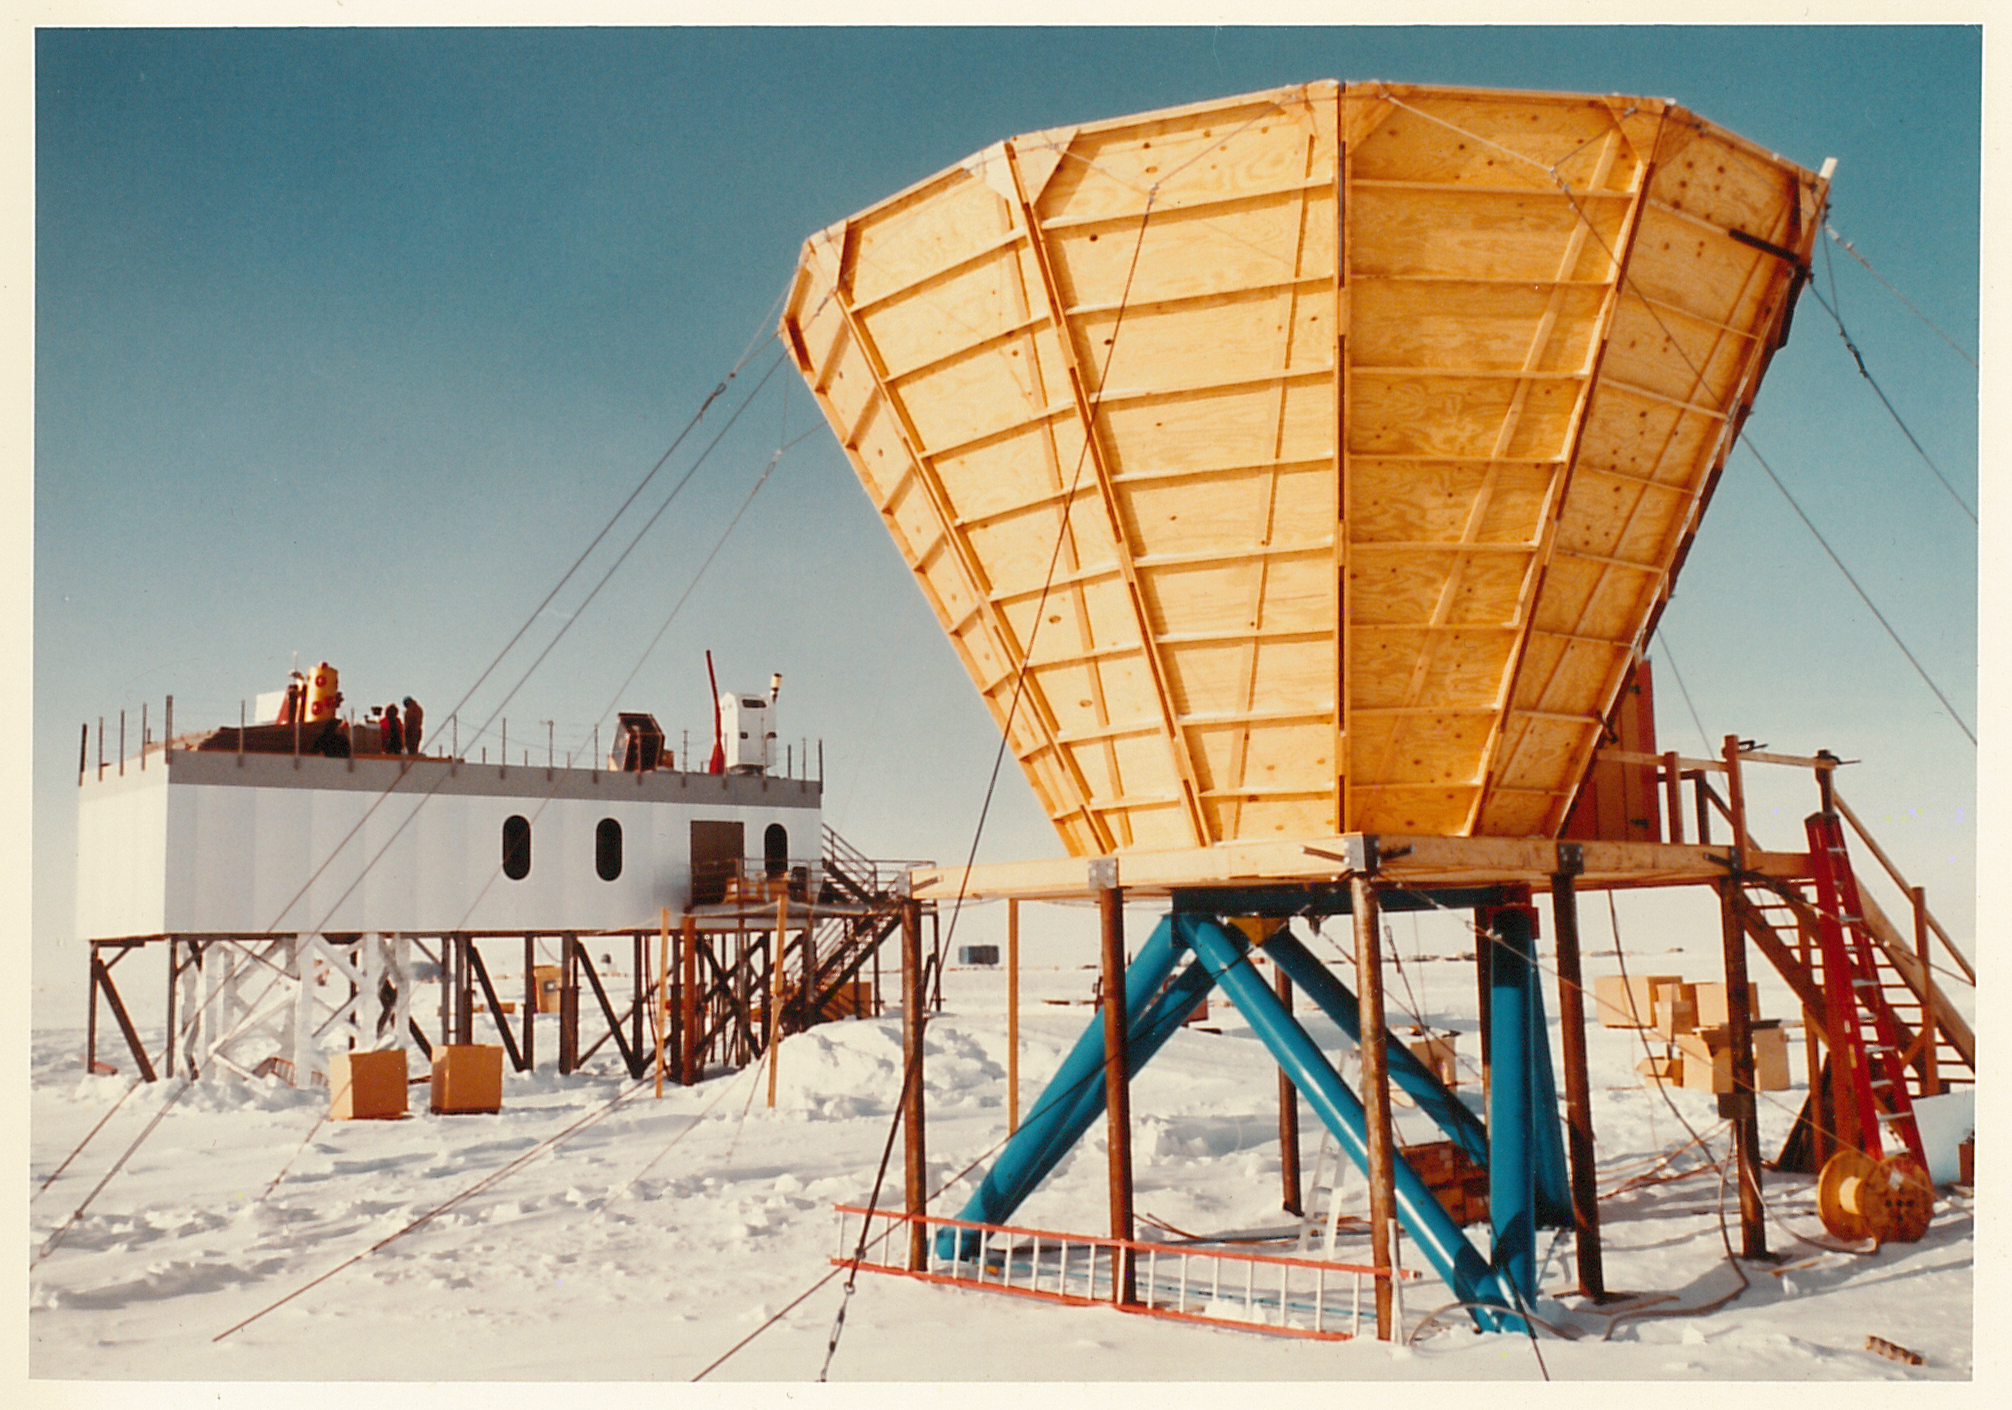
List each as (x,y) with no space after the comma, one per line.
(1738,1105)
(1012,1016)
(1375,1088)
(1291,1199)
(1117,1088)
(530,1001)
(914,1148)
(688,1002)
(1578,1085)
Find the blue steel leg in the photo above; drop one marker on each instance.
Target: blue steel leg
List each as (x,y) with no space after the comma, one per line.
(1334,999)
(1074,1097)
(1511,1179)
(1464,1270)
(1554,1186)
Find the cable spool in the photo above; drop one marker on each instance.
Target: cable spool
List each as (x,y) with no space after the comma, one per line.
(1887,1201)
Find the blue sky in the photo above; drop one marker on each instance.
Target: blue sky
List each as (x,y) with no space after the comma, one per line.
(347,342)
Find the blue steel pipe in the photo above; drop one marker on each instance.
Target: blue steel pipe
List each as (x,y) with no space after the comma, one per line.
(1333,998)
(1554,1184)
(1074,1097)
(1511,1178)
(1455,1259)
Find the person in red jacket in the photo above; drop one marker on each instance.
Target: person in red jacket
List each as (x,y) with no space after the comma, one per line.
(393,738)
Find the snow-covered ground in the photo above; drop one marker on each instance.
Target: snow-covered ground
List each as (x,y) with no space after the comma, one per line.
(659,1233)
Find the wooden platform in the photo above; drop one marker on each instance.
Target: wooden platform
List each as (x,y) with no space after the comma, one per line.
(1405,860)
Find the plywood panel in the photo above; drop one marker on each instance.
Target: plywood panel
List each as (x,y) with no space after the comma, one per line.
(1169,335)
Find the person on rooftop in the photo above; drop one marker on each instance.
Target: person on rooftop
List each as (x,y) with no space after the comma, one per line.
(393,738)
(413,718)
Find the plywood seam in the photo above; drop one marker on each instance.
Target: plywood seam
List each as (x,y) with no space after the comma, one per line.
(1240,746)
(1177,206)
(865,308)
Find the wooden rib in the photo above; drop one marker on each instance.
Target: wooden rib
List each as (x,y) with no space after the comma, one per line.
(1068,556)
(1491,749)
(1540,343)
(1583,749)
(1001,632)
(1093,448)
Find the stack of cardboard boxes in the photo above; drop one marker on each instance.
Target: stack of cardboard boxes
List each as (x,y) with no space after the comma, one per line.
(1694,1024)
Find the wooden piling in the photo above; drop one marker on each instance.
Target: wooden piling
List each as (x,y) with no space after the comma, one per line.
(1012,1011)
(1117,1086)
(1375,1087)
(1739,1105)
(1288,1116)
(1578,1087)
(914,1148)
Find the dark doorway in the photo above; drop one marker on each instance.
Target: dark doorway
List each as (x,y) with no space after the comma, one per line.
(775,849)
(716,855)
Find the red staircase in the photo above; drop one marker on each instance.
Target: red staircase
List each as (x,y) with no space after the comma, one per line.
(1868,1049)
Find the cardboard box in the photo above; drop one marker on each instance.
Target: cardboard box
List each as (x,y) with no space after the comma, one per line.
(1708,1058)
(467,1079)
(1436,1052)
(1707,1061)
(1674,1005)
(367,1086)
(1460,1186)
(1629,1002)
(1711,1001)
(1770,1056)
(1661,1069)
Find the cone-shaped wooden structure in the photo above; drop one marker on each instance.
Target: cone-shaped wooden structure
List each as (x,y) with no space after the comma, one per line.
(1323,455)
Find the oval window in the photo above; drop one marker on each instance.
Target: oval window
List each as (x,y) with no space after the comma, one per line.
(607,849)
(516,847)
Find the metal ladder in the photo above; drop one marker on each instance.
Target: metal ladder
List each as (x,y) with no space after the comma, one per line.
(1863,1029)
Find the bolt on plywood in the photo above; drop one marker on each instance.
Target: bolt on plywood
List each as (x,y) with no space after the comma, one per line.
(1310,461)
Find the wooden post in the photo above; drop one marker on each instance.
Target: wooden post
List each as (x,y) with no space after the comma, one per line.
(914,1149)
(1931,1077)
(1117,1086)
(569,1003)
(1739,1105)
(1012,1011)
(688,1004)
(1578,1087)
(778,948)
(464,1017)
(174,972)
(1673,797)
(1819,1125)
(91,1020)
(446,988)
(1375,1086)
(1288,1115)
(661,1013)
(1484,980)
(530,999)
